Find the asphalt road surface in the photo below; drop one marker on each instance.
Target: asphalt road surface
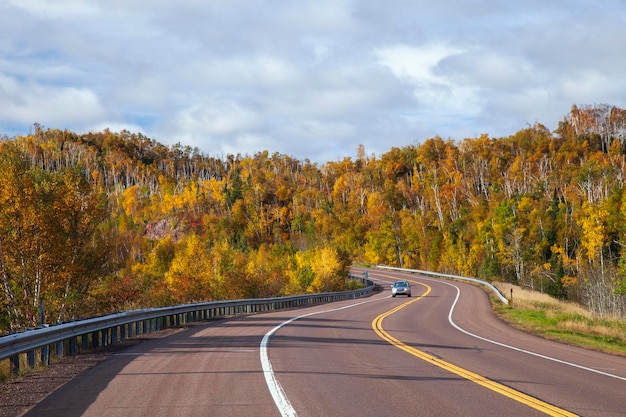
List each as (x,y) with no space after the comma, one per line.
(441,352)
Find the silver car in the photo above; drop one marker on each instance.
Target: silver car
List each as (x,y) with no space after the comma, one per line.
(401,287)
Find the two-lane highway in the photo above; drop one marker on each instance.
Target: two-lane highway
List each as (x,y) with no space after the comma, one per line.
(440,352)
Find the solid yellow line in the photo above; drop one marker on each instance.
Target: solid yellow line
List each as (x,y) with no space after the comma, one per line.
(480,380)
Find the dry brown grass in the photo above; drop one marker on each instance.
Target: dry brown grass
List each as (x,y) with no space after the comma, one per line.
(604,331)
(563,320)
(5,370)
(524,298)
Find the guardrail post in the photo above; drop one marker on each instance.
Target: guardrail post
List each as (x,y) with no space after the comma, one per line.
(123,332)
(73,346)
(15,365)
(95,340)
(30,356)
(84,342)
(45,355)
(59,349)
(104,339)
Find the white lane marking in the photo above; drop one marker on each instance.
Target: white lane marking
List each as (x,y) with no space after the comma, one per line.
(278,394)
(539,355)
(280,399)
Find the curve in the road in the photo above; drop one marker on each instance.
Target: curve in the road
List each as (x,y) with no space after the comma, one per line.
(597,371)
(478,379)
(278,394)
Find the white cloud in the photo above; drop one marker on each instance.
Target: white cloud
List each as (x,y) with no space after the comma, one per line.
(591,86)
(56,9)
(115,127)
(53,106)
(439,97)
(217,118)
(309,78)
(417,64)
(240,71)
(216,126)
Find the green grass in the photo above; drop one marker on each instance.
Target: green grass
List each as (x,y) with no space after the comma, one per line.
(565,322)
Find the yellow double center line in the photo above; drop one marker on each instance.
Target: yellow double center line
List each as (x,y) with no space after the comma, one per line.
(480,380)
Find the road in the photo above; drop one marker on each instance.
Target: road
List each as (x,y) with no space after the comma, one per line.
(441,352)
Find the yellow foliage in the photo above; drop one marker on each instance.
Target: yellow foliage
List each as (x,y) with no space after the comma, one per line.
(592,222)
(130,201)
(560,250)
(188,276)
(569,281)
(326,269)
(215,189)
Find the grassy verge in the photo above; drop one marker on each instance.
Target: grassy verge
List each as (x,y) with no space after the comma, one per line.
(563,321)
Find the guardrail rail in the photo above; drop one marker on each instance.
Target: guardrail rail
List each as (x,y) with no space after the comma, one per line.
(94,333)
(459,277)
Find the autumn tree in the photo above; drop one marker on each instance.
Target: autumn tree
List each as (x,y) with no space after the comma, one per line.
(328,271)
(540,208)
(49,249)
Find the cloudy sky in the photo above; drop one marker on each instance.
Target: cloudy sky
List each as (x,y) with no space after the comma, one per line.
(312,79)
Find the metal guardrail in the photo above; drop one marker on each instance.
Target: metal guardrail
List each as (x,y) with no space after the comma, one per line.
(101,331)
(437,274)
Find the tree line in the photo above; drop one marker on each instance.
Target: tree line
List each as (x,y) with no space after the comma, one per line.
(104,221)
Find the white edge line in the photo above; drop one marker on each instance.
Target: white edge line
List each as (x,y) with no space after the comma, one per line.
(278,394)
(458,294)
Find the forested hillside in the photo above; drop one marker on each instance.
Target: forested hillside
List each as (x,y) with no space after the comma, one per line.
(102,222)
